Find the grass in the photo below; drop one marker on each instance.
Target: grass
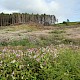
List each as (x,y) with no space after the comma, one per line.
(67,24)
(42,41)
(57,31)
(68,64)
(20,27)
(56,38)
(22,42)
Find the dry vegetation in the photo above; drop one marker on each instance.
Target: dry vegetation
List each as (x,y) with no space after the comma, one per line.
(37,32)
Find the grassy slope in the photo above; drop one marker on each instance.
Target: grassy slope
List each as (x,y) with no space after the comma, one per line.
(51,57)
(68,24)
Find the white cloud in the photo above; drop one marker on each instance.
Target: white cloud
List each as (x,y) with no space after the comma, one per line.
(36,6)
(62,9)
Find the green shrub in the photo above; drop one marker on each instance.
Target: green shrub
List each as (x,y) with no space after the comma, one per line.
(57,31)
(22,42)
(71,41)
(64,66)
(3,43)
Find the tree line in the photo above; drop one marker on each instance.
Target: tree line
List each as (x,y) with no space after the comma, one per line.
(21,18)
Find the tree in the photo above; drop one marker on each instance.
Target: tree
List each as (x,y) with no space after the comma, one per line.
(67,20)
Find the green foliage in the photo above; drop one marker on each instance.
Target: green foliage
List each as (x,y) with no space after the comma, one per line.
(71,41)
(67,24)
(22,42)
(68,65)
(3,43)
(57,31)
(64,66)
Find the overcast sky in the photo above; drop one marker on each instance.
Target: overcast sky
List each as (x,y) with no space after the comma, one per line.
(62,9)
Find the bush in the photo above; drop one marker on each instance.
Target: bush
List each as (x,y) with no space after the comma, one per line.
(66,23)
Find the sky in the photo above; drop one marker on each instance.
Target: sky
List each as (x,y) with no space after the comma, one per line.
(62,9)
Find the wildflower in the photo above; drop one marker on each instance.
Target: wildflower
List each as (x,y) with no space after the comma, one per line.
(13,61)
(41,65)
(45,63)
(51,51)
(21,66)
(4,50)
(28,65)
(48,50)
(14,51)
(55,55)
(20,51)
(22,77)
(44,53)
(38,59)
(18,55)
(34,56)
(30,51)
(13,73)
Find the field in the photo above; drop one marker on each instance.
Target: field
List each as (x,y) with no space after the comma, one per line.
(36,52)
